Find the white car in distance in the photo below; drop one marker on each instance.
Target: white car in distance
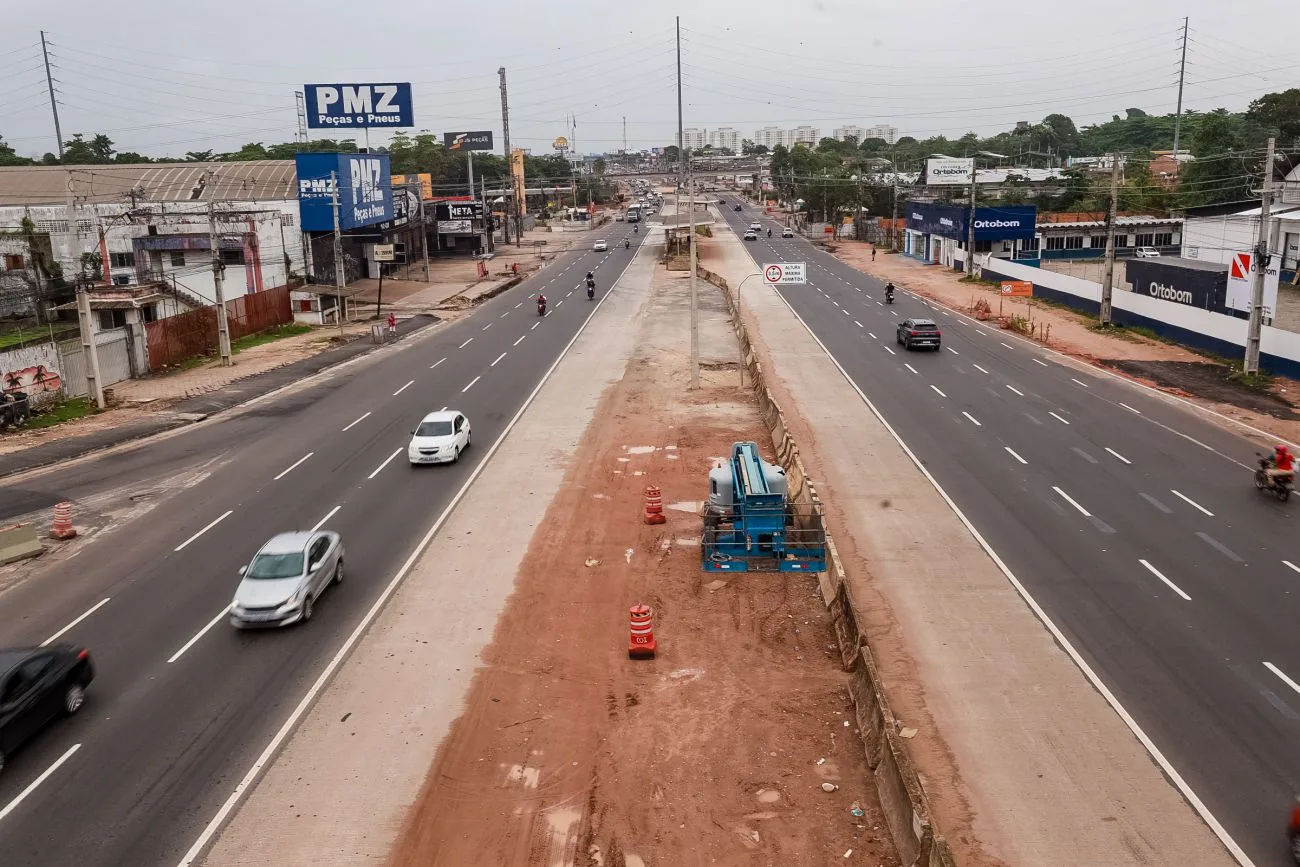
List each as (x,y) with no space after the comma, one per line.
(439,438)
(600,247)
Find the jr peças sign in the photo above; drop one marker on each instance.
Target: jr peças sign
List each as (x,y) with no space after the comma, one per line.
(480,140)
(365,190)
(359,106)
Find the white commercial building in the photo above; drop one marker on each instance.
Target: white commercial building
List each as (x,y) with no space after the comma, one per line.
(725,137)
(694,139)
(1215,233)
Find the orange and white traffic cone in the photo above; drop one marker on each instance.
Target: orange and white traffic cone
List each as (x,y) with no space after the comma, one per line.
(63,528)
(641,641)
(654,506)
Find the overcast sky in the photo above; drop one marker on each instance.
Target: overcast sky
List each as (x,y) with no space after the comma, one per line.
(169,77)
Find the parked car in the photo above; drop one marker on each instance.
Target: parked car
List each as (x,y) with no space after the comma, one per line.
(751,235)
(599,247)
(37,686)
(439,438)
(1146,253)
(283,580)
(919,332)
(618,218)
(787,232)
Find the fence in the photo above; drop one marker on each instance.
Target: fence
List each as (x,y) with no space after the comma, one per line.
(902,799)
(176,338)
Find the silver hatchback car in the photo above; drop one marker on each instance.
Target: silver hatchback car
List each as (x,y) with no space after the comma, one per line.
(285,576)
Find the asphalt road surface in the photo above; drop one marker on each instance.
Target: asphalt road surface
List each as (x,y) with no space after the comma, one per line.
(183,703)
(1134,523)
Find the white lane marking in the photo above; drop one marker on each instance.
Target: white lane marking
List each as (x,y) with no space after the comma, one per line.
(857,323)
(1013,454)
(379,469)
(507,313)
(945,312)
(880,304)
(486,327)
(937,391)
(321,523)
(953,351)
(1040,361)
(471,384)
(972,418)
(466,343)
(890,351)
(499,357)
(1015,390)
(1156,572)
(558,303)
(182,545)
(436,363)
(1064,642)
(1084,384)
(31,787)
(404,388)
(1189,501)
(520,304)
(535,324)
(980,369)
(224,612)
(1282,676)
(1130,409)
(355,423)
(1071,501)
(292,466)
(89,611)
(1007,345)
(836,303)
(911,368)
(893,312)
(1118,455)
(1291,565)
(1057,417)
(520,340)
(873,337)
(845,312)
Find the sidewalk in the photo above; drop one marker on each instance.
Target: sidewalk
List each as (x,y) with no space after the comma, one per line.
(1024,762)
(162,403)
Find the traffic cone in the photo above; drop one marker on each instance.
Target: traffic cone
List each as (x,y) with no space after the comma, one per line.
(641,641)
(63,528)
(654,506)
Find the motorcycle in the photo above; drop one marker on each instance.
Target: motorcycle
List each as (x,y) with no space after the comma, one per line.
(769,233)
(541,306)
(636,229)
(889,296)
(1278,484)
(627,244)
(591,291)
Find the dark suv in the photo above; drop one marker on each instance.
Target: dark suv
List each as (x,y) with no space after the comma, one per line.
(916,333)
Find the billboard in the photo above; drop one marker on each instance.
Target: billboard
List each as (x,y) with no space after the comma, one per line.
(365,191)
(947,171)
(1197,285)
(358,106)
(1241,283)
(423,179)
(991,224)
(480,140)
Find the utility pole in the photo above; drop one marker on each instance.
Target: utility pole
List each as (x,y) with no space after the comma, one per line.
(624,137)
(338,252)
(469,164)
(893,221)
(89,349)
(970,225)
(685,160)
(681,142)
(1261,266)
(218,272)
(54,106)
(1108,281)
(1182,71)
(510,166)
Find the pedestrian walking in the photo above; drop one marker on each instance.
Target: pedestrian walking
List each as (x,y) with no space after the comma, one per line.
(392,325)
(873,254)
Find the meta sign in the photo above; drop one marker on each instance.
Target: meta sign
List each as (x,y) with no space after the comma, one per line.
(364,187)
(359,106)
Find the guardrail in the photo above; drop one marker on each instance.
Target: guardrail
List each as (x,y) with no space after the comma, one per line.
(898,787)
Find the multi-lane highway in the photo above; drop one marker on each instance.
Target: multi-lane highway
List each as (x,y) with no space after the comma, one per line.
(1131,520)
(183,703)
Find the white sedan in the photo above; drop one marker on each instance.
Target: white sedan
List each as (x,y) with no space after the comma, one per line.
(439,439)
(600,247)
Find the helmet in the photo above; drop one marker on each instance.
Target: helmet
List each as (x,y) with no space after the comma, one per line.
(1280,449)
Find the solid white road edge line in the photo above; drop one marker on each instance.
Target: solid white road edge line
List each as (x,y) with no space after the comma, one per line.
(332,512)
(1172,586)
(379,469)
(31,787)
(331,668)
(89,611)
(1072,502)
(1096,681)
(1282,675)
(1189,501)
(294,465)
(202,632)
(363,418)
(182,545)
(1013,454)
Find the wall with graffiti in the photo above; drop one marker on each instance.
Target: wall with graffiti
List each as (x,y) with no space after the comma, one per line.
(32,370)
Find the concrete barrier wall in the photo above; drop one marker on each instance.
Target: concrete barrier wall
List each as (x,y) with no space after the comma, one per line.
(18,542)
(898,787)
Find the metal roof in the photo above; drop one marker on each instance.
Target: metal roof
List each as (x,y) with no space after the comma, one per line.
(255,180)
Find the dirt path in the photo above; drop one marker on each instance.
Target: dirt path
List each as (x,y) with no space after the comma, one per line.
(567,753)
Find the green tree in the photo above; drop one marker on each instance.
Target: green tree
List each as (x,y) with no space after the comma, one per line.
(9,157)
(79,151)
(131,157)
(599,166)
(199,157)
(1220,171)
(1280,112)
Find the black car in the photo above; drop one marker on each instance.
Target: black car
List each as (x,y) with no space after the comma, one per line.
(37,686)
(917,333)
(737,208)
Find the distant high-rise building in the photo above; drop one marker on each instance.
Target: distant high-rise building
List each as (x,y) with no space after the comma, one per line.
(769,136)
(805,134)
(844,133)
(725,137)
(882,130)
(693,139)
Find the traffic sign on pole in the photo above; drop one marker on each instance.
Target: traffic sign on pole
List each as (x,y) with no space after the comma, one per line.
(785,273)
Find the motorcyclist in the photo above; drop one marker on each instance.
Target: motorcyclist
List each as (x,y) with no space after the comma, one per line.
(636,229)
(626,243)
(1280,463)
(541,305)
(769,233)
(889,291)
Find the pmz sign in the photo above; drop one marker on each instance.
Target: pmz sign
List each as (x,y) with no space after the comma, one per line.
(786,273)
(359,106)
(364,186)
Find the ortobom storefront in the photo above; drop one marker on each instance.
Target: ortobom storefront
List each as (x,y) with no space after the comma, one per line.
(935,231)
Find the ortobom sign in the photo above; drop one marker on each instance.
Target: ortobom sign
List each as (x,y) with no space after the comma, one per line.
(786,273)
(359,106)
(365,190)
(1241,283)
(946,171)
